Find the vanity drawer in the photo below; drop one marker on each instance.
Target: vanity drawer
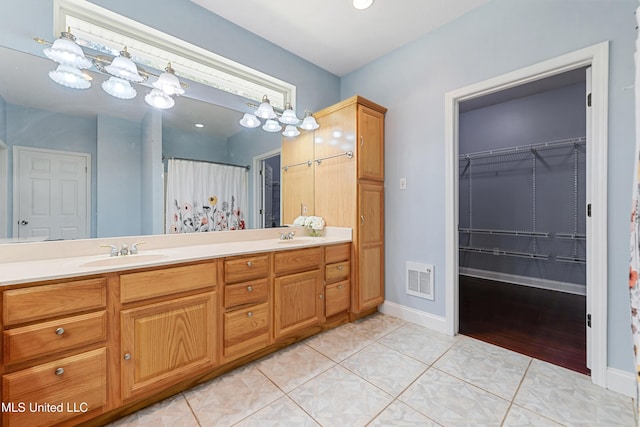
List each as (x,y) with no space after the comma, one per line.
(337,271)
(246,293)
(246,330)
(337,253)
(241,269)
(40,302)
(295,261)
(338,297)
(43,339)
(166,281)
(78,382)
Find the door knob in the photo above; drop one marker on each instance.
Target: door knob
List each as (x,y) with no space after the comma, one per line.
(24,222)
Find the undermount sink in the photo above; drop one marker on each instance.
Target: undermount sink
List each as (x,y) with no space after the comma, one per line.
(123,260)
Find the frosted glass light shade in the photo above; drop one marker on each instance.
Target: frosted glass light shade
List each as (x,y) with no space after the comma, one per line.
(119,88)
(272,126)
(69,76)
(265,110)
(289,116)
(123,67)
(309,123)
(169,83)
(249,121)
(291,131)
(362,4)
(158,99)
(66,51)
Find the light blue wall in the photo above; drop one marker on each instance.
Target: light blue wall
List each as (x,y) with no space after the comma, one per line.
(500,37)
(193,145)
(119,178)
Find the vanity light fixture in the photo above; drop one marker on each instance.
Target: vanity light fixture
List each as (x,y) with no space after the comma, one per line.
(287,117)
(362,4)
(122,71)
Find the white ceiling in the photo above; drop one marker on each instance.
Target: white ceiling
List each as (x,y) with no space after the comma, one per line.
(332,34)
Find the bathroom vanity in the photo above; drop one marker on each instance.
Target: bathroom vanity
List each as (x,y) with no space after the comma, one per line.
(88,337)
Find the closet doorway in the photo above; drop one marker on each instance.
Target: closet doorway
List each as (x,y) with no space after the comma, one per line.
(267,198)
(522,219)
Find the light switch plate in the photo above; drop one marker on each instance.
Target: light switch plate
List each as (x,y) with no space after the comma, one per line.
(403,183)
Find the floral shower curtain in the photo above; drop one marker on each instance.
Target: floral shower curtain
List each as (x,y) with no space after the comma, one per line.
(634,262)
(205,196)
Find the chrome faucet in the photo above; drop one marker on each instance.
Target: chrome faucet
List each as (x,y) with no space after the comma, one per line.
(114,249)
(287,236)
(124,250)
(134,248)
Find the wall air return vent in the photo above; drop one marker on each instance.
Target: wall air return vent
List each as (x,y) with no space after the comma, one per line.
(420,280)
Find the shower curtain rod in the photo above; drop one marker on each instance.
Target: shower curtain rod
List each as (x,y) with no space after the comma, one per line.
(247,167)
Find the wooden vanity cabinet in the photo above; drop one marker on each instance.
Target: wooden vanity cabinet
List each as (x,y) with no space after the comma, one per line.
(247,305)
(54,352)
(167,335)
(337,278)
(298,291)
(349,192)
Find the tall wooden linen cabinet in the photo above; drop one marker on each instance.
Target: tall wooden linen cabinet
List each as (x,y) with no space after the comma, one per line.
(338,173)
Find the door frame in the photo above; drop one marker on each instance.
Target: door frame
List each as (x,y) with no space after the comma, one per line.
(257,185)
(16,182)
(4,189)
(596,56)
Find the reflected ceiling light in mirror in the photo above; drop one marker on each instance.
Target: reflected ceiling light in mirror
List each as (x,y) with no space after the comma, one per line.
(199,125)
(168,82)
(265,110)
(119,88)
(288,116)
(66,51)
(272,126)
(291,131)
(158,99)
(123,67)
(309,122)
(362,4)
(69,76)
(249,121)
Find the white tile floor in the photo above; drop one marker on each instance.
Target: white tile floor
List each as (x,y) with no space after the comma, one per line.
(382,371)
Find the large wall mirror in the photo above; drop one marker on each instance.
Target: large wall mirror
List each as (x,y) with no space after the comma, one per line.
(39,116)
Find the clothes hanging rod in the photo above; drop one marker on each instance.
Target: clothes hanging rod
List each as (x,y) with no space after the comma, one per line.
(524,148)
(504,232)
(501,252)
(247,167)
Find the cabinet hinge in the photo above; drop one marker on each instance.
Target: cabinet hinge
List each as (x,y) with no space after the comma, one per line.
(589,320)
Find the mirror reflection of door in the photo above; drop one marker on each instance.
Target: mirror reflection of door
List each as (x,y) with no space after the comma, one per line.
(270,192)
(51,194)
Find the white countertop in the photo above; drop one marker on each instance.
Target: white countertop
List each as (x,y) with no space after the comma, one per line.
(32,262)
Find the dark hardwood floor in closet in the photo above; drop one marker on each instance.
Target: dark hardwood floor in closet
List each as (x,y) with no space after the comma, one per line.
(546,325)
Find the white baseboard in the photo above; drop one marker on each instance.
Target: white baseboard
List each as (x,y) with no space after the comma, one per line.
(436,323)
(553,285)
(622,382)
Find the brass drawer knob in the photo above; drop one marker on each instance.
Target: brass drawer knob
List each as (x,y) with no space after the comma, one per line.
(127,356)
(321,296)
(59,371)
(339,286)
(249,263)
(340,267)
(250,314)
(249,288)
(59,331)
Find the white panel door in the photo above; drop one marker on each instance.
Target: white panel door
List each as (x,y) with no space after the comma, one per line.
(51,197)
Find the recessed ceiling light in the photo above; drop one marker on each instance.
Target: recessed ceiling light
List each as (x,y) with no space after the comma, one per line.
(362,4)
(199,125)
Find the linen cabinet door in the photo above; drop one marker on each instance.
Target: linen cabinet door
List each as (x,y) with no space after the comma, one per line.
(298,302)
(167,342)
(370,144)
(369,290)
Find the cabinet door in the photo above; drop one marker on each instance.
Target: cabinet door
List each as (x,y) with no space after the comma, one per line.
(369,289)
(167,342)
(298,302)
(370,144)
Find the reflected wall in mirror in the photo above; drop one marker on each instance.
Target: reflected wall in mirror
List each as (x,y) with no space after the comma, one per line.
(122,142)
